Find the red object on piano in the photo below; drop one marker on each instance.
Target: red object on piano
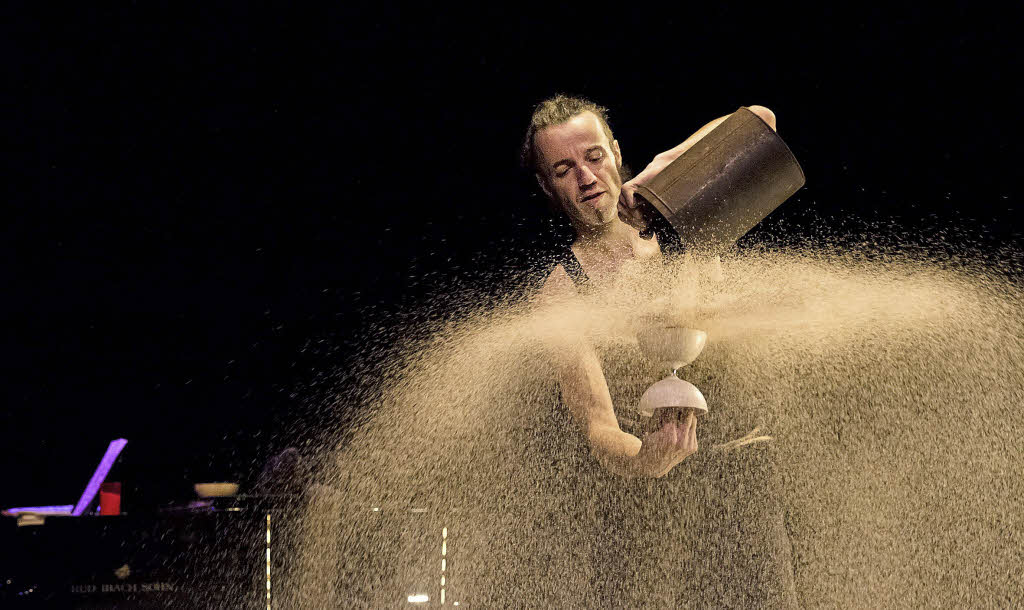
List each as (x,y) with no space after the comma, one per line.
(110,499)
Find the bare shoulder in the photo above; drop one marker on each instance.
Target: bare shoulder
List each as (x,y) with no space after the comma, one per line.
(557,292)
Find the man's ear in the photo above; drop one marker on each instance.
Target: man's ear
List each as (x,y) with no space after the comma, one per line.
(617,153)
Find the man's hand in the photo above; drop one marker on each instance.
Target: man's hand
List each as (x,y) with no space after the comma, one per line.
(628,211)
(659,163)
(663,449)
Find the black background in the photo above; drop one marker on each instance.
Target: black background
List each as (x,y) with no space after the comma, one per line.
(206,210)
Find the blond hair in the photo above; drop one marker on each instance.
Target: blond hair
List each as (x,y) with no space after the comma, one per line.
(555,111)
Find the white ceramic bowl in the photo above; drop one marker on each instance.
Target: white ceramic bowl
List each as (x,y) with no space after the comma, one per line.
(671,347)
(672,392)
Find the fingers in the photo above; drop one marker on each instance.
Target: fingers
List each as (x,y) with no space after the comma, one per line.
(626,195)
(674,440)
(630,215)
(676,433)
(665,437)
(686,443)
(693,433)
(629,212)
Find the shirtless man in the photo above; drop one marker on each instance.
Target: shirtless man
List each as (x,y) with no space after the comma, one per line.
(577,163)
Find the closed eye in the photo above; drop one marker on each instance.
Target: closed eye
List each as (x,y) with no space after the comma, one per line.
(593,155)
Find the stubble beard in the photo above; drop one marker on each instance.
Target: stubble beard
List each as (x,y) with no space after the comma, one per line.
(595,217)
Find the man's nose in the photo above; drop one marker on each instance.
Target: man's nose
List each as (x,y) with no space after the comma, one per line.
(585,178)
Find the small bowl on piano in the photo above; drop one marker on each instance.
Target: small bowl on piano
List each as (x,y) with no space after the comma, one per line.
(216,490)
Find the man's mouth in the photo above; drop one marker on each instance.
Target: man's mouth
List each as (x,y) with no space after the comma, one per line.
(592,196)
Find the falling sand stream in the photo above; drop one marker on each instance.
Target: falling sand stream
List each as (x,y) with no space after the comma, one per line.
(891,387)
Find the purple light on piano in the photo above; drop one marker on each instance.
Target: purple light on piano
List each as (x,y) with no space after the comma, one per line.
(62,509)
(113,450)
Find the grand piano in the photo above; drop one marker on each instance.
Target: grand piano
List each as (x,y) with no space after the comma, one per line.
(287,546)
(243,552)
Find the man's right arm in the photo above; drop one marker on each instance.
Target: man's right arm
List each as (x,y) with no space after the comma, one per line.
(585,392)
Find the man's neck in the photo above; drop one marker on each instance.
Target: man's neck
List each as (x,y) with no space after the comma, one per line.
(611,238)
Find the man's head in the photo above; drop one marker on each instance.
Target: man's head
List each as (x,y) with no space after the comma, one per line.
(576,160)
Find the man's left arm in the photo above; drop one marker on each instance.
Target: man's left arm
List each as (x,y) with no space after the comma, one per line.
(663,159)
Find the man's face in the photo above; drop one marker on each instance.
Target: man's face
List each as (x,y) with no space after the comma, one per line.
(579,169)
